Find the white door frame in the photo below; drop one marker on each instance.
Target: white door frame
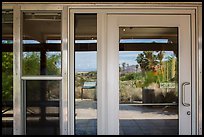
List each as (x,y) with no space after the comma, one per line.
(184,48)
(19,123)
(106,110)
(102,9)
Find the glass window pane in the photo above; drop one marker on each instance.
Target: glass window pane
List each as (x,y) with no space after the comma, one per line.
(42,107)
(85,74)
(39,56)
(148,71)
(7,72)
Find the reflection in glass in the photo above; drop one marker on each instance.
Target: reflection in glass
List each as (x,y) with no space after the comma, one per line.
(85,74)
(148,81)
(42,107)
(41,43)
(7,72)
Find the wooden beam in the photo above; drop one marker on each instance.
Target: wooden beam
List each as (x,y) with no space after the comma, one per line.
(93,47)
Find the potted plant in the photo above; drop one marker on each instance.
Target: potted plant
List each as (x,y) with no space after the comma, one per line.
(151,72)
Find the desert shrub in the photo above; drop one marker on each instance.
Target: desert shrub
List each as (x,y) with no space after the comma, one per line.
(87,93)
(137,94)
(128,92)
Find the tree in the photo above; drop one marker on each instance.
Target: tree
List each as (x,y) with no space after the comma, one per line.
(53,64)
(31,66)
(149,63)
(31,63)
(123,66)
(7,75)
(142,61)
(147,60)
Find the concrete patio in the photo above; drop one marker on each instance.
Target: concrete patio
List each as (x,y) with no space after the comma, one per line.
(134,120)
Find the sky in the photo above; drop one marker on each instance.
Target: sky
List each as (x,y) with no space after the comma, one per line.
(87,61)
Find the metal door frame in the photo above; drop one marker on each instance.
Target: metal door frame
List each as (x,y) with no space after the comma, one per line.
(194,9)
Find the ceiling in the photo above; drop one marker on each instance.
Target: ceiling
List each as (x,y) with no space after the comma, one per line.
(42,26)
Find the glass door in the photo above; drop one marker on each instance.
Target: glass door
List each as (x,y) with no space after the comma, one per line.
(151,74)
(42,73)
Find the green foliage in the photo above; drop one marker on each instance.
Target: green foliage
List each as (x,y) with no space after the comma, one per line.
(148,60)
(31,63)
(154,71)
(7,62)
(143,61)
(7,75)
(128,76)
(30,66)
(52,68)
(142,79)
(131,76)
(149,78)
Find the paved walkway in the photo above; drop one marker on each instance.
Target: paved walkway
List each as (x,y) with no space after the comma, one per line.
(134,120)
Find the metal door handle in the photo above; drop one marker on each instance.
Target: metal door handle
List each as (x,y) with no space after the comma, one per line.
(183,94)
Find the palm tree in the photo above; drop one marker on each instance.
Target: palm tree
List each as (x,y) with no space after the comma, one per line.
(123,66)
(147,60)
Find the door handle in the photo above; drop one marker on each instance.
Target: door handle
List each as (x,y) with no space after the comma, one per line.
(183,94)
